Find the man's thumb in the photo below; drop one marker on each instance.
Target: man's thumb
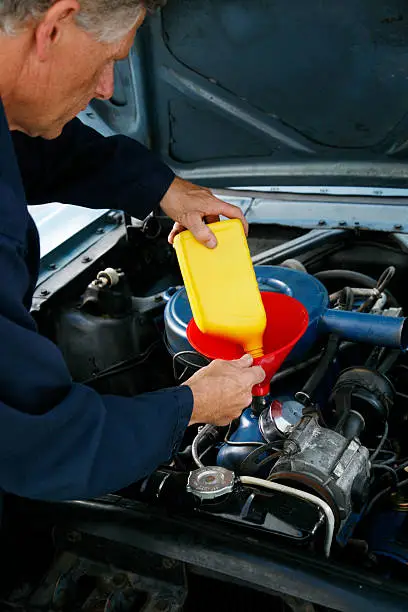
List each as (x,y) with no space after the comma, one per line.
(246,361)
(203,234)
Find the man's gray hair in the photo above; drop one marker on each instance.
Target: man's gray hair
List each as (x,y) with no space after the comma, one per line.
(107,20)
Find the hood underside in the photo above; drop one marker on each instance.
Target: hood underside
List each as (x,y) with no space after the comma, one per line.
(262,92)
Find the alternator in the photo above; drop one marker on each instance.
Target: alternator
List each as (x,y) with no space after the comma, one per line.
(326,463)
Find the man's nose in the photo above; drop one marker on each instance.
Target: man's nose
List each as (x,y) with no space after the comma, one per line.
(105,87)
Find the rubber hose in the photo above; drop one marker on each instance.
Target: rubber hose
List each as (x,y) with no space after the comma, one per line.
(360,280)
(389,361)
(316,378)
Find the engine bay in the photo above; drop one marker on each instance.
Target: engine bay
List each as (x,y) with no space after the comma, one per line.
(327,428)
(320,464)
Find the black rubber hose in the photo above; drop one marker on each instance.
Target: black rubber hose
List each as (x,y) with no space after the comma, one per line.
(389,361)
(382,283)
(316,378)
(356,279)
(346,299)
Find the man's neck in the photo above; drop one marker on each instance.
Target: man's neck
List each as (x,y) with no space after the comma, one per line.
(12,55)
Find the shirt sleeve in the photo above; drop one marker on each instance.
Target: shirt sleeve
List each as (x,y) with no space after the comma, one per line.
(85,168)
(60,440)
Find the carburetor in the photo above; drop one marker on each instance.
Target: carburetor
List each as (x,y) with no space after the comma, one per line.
(327,464)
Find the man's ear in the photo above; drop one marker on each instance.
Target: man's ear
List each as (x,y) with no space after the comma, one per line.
(50,29)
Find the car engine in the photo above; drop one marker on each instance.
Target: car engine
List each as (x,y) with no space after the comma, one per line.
(301,463)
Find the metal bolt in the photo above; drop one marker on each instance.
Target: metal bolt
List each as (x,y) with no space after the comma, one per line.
(52,266)
(322,222)
(100,230)
(342,223)
(290,447)
(115,217)
(45,292)
(169,563)
(86,260)
(398,226)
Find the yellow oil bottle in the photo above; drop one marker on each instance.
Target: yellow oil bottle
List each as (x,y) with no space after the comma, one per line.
(221,286)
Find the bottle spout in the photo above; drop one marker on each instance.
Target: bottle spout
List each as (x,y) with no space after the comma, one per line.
(256,352)
(253,345)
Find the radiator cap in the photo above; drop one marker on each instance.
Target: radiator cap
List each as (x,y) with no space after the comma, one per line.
(210,482)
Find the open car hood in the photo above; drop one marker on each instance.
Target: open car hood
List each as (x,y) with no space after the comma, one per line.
(239,93)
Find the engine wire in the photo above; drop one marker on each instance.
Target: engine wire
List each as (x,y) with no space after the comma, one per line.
(402,465)
(228,441)
(381,443)
(388,469)
(181,356)
(382,493)
(392,457)
(123,366)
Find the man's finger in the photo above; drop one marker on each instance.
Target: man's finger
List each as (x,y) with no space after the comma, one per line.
(258,375)
(177,228)
(232,212)
(202,232)
(245,361)
(172,236)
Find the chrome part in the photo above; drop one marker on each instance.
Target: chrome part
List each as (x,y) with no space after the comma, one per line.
(326,462)
(210,482)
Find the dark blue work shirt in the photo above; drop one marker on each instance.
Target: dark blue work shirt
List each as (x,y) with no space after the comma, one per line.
(58,439)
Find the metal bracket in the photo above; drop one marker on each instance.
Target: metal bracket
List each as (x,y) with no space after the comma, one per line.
(66,269)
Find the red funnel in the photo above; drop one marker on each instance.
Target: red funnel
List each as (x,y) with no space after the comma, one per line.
(287,321)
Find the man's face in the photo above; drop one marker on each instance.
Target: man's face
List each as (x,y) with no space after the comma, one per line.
(61,76)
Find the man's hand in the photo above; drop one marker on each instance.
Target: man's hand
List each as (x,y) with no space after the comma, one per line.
(222,390)
(192,206)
